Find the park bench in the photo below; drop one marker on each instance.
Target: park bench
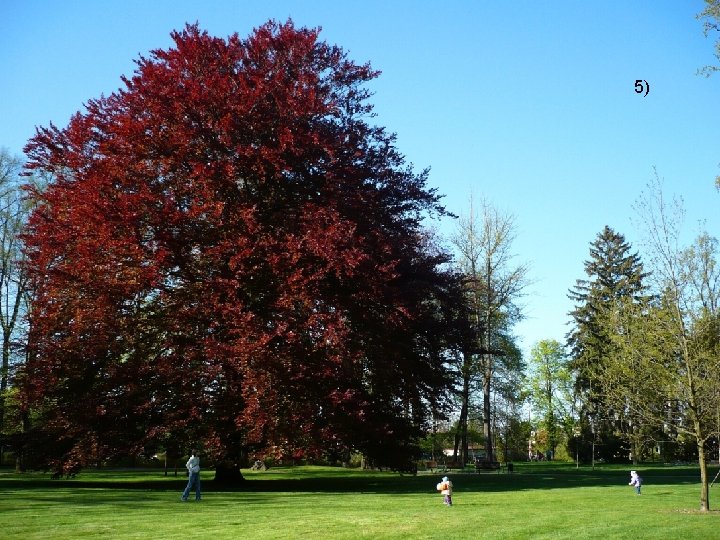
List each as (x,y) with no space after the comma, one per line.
(483,465)
(431,465)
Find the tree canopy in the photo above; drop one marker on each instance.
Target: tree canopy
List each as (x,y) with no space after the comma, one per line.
(230,253)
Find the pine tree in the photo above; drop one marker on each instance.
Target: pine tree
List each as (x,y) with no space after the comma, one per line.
(614,273)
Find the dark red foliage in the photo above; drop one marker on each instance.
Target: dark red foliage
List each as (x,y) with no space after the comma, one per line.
(231,254)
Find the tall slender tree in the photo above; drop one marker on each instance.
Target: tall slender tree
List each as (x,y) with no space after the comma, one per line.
(614,273)
(494,283)
(14,210)
(508,399)
(231,254)
(683,330)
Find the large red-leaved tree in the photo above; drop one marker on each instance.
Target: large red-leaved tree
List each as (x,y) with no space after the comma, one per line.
(232,255)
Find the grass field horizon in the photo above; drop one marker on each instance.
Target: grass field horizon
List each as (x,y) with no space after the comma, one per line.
(539,500)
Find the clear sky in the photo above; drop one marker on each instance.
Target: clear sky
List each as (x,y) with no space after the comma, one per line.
(528,104)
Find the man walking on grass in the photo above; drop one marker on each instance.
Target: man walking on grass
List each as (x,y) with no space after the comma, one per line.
(193,467)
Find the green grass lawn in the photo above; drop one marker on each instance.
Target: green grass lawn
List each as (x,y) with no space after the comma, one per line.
(538,501)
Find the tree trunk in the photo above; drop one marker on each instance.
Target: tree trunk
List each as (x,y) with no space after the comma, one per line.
(635,446)
(19,449)
(460,451)
(487,376)
(704,488)
(228,473)
(4,373)
(2,424)
(487,426)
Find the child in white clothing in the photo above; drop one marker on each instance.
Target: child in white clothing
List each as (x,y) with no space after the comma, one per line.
(636,481)
(445,488)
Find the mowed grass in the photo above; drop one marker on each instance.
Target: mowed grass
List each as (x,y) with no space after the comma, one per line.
(537,501)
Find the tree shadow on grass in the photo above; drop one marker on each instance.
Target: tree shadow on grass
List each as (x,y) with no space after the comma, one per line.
(325,481)
(476,482)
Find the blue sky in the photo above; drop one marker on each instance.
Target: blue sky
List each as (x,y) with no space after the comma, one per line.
(528,104)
